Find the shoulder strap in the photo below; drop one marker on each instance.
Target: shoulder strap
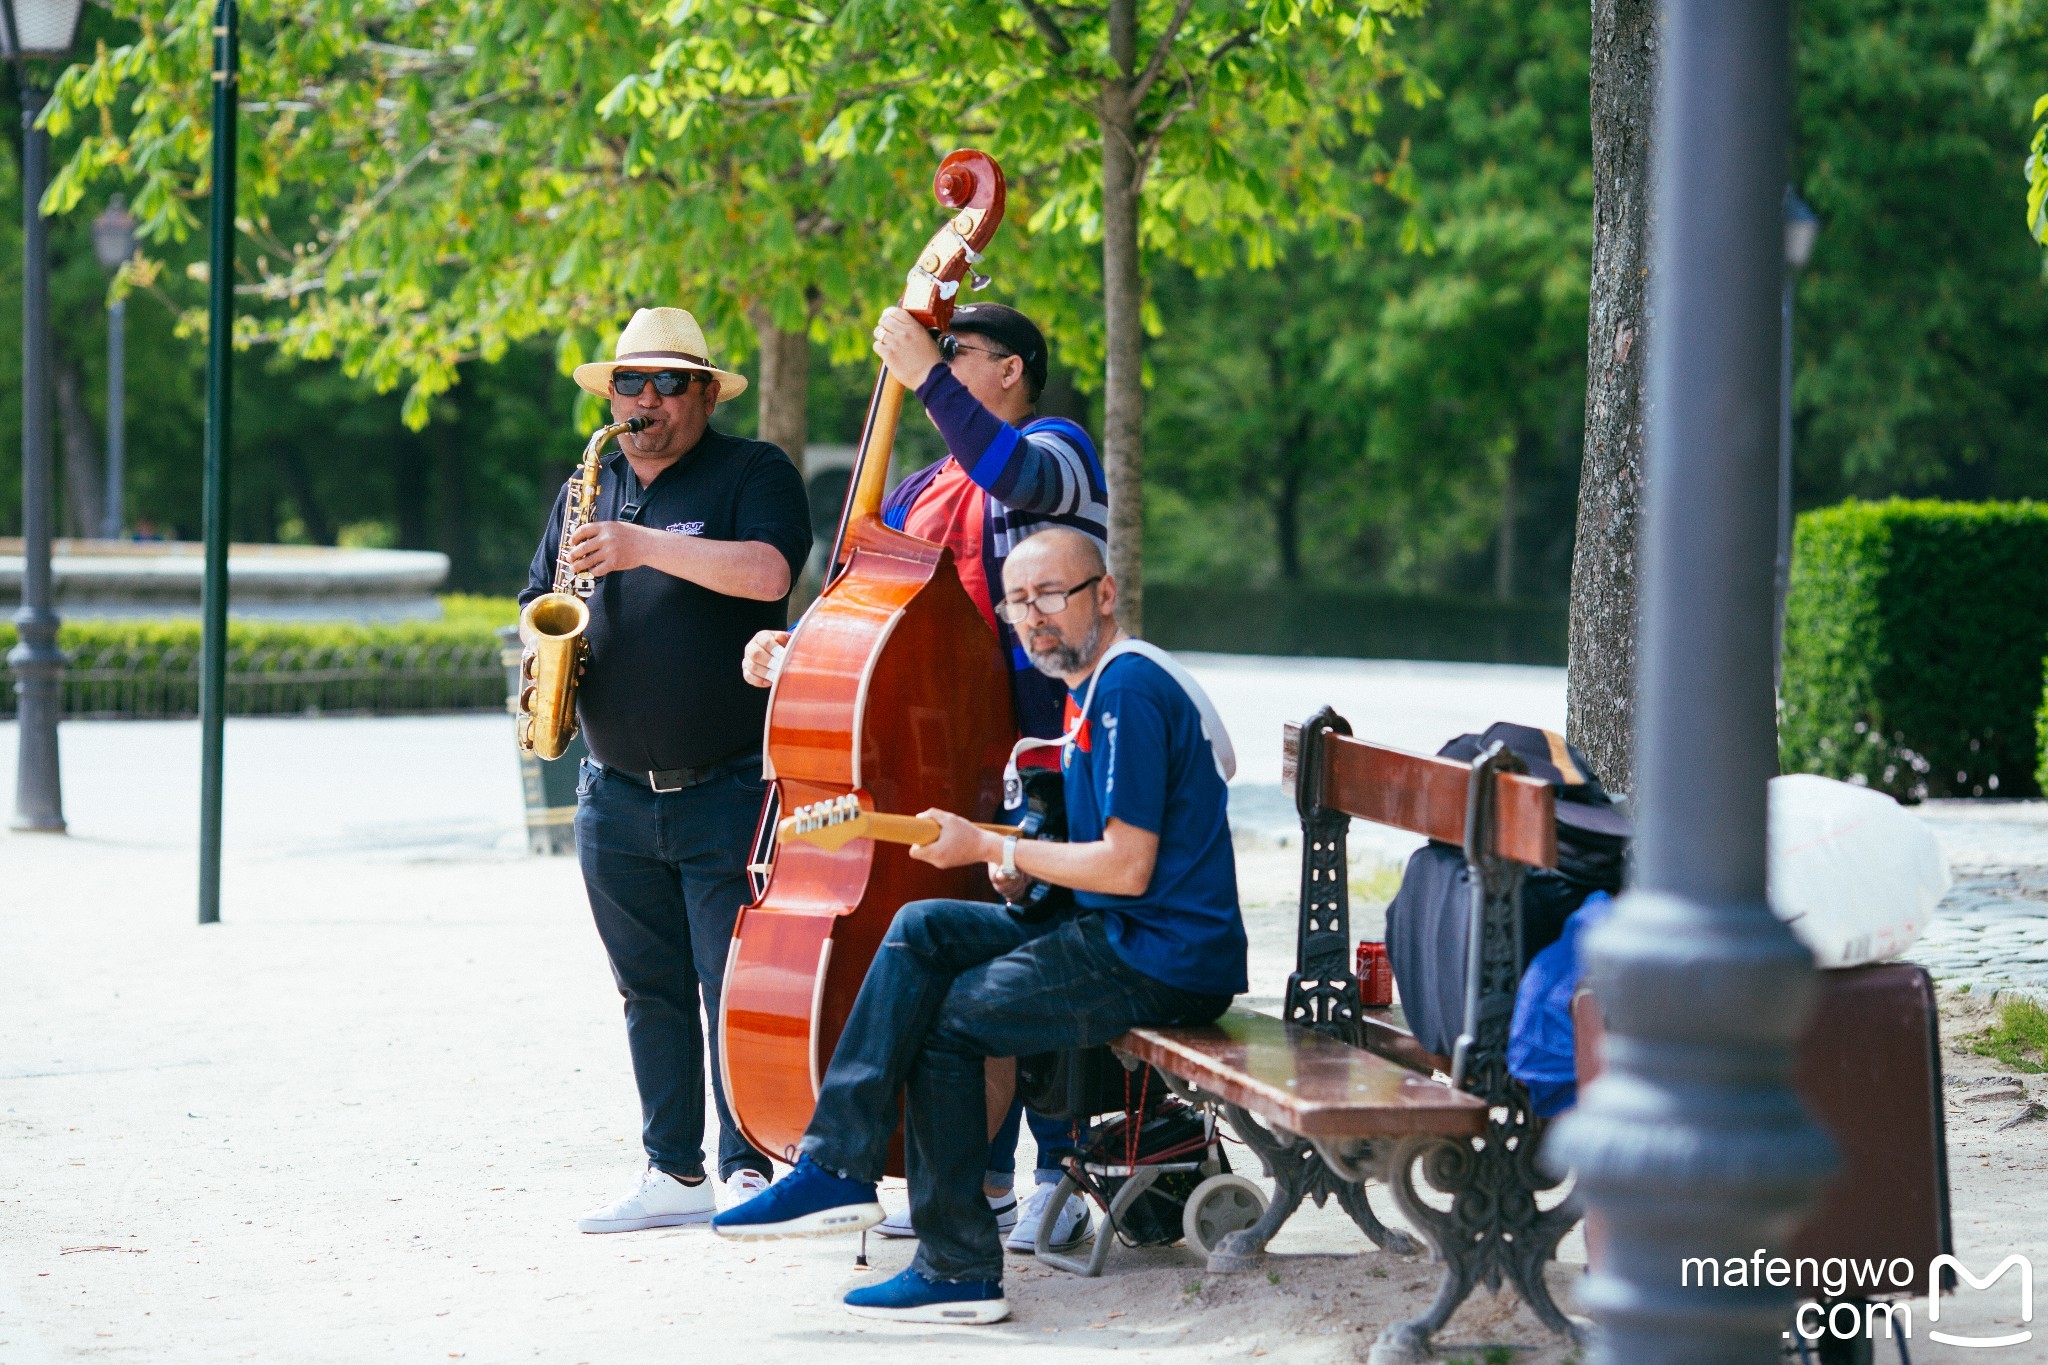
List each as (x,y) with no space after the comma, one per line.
(1220,748)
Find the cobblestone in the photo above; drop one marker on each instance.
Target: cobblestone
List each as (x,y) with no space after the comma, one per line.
(1991,930)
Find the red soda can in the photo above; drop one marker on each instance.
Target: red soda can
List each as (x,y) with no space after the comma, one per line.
(1375,975)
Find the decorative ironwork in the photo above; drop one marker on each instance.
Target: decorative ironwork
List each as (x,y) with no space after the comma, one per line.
(1298,1172)
(1322,992)
(143,682)
(1494,1229)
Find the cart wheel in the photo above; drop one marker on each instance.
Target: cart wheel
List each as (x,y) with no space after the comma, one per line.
(1220,1205)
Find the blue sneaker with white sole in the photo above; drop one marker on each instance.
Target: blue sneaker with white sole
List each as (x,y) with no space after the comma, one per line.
(910,1297)
(808,1202)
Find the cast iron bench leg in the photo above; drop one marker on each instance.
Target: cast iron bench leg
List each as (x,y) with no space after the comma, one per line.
(1298,1172)
(1493,1231)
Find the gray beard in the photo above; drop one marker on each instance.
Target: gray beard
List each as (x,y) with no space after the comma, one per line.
(1062,660)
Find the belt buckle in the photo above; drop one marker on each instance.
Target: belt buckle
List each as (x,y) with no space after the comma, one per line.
(654,784)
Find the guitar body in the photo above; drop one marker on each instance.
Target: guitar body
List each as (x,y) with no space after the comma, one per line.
(893,688)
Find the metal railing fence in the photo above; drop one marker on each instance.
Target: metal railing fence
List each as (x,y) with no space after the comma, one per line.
(129,682)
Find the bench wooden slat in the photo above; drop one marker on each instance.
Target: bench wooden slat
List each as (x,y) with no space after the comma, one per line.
(1305,1082)
(1426,796)
(1387,1033)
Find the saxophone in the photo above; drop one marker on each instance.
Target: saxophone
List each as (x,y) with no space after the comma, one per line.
(553,624)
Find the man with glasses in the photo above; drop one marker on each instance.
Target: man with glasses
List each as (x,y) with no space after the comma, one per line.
(1158,941)
(696,539)
(1008,473)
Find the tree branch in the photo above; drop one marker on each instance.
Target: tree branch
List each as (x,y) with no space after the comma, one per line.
(1160,52)
(1047,28)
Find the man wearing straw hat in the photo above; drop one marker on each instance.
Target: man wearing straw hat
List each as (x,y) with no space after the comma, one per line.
(696,540)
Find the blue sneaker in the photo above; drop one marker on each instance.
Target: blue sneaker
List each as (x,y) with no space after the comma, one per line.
(910,1297)
(808,1202)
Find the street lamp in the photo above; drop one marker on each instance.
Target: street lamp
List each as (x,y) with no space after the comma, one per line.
(44,29)
(113,241)
(1802,226)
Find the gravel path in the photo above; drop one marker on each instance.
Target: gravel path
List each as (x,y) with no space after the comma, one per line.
(353,1121)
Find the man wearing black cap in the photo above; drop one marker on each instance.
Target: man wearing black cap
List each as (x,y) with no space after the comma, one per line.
(1009,472)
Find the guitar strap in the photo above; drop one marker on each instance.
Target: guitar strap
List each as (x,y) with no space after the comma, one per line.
(1212,723)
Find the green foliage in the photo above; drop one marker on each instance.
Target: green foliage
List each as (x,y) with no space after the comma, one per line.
(1914,635)
(1369,423)
(470,624)
(1919,364)
(425,183)
(149,668)
(2020,1037)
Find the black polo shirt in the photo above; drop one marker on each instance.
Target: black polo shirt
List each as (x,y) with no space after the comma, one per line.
(663,689)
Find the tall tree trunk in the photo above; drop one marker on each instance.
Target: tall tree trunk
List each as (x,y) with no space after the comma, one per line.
(457,531)
(1123,294)
(785,387)
(1504,540)
(1600,706)
(409,457)
(84,486)
(312,514)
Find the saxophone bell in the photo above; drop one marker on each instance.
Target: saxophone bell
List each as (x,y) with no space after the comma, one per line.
(554,625)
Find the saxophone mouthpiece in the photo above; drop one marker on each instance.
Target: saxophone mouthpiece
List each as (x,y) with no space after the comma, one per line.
(634,424)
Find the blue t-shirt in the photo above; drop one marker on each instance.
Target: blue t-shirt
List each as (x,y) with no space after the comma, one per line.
(1144,760)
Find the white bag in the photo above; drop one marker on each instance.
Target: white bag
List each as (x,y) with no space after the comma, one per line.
(1855,874)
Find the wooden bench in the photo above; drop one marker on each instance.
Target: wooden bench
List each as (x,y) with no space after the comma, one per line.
(1332,1094)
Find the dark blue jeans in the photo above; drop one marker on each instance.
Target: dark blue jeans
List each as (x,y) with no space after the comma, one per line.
(956,982)
(667,875)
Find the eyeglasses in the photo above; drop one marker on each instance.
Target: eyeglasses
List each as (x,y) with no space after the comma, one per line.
(667,383)
(1047,603)
(950,346)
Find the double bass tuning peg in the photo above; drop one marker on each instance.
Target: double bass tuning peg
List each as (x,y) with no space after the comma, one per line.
(976,280)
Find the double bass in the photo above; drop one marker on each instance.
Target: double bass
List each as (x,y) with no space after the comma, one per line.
(892,691)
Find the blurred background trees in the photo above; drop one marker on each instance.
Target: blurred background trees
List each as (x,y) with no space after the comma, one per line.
(1386,393)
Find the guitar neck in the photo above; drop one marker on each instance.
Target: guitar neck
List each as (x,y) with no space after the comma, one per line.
(915,830)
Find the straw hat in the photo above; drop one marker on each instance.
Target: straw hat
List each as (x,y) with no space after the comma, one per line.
(659,338)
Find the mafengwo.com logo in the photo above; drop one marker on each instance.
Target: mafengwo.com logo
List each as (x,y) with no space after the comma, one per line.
(1851,1286)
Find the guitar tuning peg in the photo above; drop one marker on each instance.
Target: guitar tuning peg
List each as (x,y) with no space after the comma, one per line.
(976,280)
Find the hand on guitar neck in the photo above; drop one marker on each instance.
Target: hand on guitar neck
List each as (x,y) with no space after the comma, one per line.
(834,824)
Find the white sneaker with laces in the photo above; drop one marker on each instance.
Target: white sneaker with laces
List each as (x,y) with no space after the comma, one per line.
(658,1201)
(742,1185)
(897,1224)
(1068,1232)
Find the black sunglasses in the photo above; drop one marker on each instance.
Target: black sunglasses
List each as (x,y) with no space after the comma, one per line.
(667,383)
(950,346)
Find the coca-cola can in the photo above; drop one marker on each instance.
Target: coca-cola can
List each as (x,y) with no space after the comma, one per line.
(1375,975)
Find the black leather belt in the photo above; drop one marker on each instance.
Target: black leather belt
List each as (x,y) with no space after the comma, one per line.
(665,780)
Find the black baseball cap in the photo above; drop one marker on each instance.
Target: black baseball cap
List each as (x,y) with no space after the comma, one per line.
(1009,329)
(1582,803)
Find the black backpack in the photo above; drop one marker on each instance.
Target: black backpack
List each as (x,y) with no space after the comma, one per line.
(1427,923)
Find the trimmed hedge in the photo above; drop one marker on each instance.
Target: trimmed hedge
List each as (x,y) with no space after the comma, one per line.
(1355,624)
(1914,637)
(150,668)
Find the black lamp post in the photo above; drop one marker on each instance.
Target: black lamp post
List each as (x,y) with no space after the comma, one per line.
(1692,1143)
(36,29)
(213,602)
(1802,226)
(113,241)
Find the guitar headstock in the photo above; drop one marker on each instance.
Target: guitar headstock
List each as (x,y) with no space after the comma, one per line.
(971,182)
(830,825)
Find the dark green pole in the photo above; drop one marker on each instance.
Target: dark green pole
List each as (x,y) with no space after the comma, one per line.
(213,652)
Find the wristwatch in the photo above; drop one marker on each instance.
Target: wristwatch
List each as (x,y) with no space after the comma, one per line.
(1009,864)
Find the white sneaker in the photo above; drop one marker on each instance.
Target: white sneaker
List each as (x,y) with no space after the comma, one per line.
(1005,1204)
(742,1185)
(1068,1231)
(658,1201)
